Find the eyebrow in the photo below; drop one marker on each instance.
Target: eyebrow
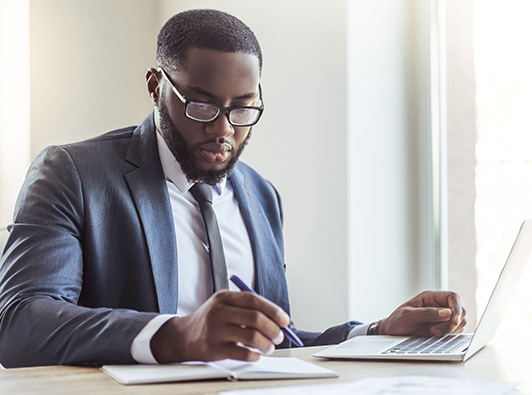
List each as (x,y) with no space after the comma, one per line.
(203,92)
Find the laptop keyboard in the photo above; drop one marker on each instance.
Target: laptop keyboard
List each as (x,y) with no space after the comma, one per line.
(431,345)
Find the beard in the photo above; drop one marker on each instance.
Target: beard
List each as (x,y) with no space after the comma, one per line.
(177,146)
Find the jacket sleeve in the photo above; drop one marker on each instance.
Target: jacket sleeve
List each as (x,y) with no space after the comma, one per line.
(41,276)
(333,335)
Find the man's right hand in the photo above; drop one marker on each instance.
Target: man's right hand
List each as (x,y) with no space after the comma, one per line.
(226,326)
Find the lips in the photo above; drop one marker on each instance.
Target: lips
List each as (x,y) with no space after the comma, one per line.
(215,152)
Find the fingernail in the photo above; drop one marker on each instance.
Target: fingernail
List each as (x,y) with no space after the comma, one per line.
(444,313)
(279,338)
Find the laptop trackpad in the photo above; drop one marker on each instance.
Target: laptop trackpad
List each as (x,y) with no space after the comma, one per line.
(367,345)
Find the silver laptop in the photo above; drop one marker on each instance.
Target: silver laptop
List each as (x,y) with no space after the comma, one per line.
(457,347)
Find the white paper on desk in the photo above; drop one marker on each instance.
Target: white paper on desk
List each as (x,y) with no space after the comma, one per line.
(264,368)
(393,385)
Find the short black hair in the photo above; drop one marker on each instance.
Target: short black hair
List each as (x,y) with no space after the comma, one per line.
(207,29)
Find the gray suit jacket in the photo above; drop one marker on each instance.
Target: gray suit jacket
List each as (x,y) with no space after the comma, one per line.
(92,257)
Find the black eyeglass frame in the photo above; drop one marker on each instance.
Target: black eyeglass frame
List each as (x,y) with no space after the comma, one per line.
(221,109)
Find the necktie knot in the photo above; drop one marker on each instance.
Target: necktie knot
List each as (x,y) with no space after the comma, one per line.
(202,193)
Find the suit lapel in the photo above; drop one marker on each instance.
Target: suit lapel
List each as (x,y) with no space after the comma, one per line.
(270,280)
(150,195)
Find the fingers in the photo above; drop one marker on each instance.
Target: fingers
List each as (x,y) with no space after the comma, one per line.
(459,327)
(237,325)
(447,299)
(447,323)
(431,313)
(423,315)
(255,302)
(234,351)
(247,319)
(251,339)
(251,327)
(447,327)
(453,301)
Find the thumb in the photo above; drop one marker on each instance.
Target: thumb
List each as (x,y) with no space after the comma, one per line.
(430,314)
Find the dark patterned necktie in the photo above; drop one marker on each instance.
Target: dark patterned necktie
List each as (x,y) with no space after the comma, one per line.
(203,195)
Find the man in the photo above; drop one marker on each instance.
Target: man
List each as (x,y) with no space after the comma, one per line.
(108,256)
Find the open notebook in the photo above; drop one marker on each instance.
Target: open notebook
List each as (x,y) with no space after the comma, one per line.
(451,347)
(264,368)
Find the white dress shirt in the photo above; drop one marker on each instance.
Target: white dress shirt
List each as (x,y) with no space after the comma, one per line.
(194,276)
(194,282)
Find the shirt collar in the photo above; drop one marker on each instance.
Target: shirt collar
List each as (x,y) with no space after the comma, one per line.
(173,172)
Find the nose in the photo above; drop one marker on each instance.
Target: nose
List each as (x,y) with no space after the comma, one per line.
(220,127)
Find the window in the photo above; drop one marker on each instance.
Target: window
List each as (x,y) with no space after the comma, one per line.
(489,74)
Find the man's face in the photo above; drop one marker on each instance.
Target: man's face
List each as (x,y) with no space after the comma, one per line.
(208,151)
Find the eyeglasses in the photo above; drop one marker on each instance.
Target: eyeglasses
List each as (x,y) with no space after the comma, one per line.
(208,112)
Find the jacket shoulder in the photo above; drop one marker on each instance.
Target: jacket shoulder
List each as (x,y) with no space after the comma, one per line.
(254,180)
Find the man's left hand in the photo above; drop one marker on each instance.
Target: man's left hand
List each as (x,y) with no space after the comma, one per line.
(431,313)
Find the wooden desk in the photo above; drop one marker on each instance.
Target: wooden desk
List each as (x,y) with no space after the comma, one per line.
(491,363)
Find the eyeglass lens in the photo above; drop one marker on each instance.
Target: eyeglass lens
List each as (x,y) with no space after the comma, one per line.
(205,112)
(202,111)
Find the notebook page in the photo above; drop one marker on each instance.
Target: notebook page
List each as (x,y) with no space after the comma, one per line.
(273,367)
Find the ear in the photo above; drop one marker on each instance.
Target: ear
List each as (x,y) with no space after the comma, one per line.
(153,84)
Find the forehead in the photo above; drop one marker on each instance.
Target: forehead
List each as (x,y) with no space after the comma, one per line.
(218,71)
